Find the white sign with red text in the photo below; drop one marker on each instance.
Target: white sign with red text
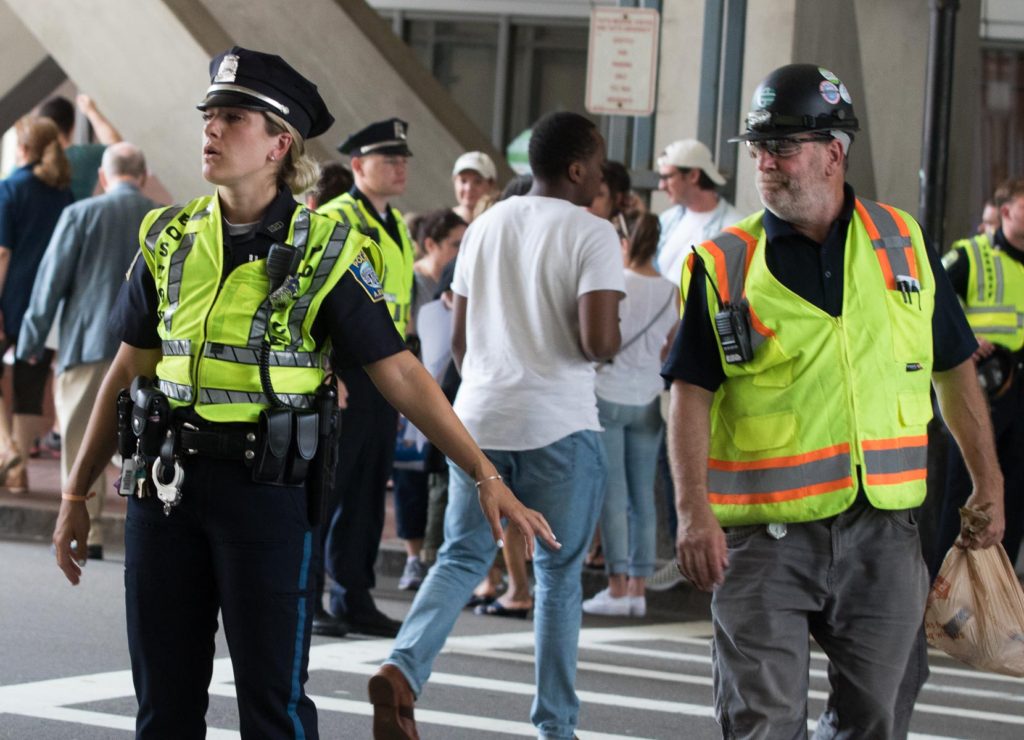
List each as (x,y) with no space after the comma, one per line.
(622,61)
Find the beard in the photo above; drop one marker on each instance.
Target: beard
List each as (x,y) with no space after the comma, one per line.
(796,199)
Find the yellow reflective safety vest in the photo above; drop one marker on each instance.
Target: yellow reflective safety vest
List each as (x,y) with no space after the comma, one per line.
(824,398)
(397,278)
(995,293)
(212,326)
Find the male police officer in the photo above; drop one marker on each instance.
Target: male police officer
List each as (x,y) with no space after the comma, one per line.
(987,274)
(800,395)
(379,154)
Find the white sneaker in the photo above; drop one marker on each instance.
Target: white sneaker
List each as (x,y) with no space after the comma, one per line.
(607,605)
(637,606)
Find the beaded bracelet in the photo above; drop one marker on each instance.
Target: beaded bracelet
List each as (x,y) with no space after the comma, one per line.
(490,477)
(73,497)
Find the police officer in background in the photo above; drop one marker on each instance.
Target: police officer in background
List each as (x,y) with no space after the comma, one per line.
(797,432)
(987,273)
(380,154)
(228,311)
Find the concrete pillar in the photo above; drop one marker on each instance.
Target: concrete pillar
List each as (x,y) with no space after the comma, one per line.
(27,71)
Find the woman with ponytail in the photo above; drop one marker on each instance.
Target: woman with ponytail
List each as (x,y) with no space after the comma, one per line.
(31,201)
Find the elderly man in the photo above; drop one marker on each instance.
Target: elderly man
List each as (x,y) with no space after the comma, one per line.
(84,267)
(800,398)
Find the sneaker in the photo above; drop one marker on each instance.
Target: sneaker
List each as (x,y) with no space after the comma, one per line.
(413,574)
(665,577)
(637,606)
(607,605)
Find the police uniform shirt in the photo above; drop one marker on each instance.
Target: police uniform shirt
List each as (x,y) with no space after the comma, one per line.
(815,273)
(960,269)
(360,328)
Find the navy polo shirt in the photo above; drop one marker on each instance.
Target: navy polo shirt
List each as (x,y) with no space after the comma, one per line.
(29,210)
(360,327)
(815,273)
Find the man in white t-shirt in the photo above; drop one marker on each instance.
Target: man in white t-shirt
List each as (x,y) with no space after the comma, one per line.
(687,174)
(537,289)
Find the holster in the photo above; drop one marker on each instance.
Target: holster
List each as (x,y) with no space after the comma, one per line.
(125,437)
(320,482)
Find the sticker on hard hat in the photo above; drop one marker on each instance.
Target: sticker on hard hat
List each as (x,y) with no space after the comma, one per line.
(845,94)
(764,97)
(830,76)
(829,92)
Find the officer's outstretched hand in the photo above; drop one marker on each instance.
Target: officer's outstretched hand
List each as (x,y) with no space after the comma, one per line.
(498,501)
(700,546)
(70,537)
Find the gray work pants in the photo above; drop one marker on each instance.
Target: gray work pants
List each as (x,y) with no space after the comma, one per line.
(857,583)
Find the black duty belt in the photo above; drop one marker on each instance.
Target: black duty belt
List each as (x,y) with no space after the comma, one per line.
(227,442)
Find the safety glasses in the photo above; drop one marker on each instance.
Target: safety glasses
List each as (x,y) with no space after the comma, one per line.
(782,148)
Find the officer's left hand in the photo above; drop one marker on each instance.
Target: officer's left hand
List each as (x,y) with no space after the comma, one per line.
(70,537)
(498,501)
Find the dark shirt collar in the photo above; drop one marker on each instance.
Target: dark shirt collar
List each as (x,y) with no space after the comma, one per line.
(1001,242)
(277,217)
(370,207)
(776,228)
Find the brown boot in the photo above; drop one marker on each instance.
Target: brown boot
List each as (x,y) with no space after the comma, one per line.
(392,701)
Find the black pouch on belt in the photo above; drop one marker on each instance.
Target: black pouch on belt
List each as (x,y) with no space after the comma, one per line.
(126,440)
(272,447)
(304,443)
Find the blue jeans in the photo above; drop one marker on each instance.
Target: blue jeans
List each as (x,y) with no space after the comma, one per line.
(628,523)
(564,481)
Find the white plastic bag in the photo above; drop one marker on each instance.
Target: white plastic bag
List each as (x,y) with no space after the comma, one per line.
(976,610)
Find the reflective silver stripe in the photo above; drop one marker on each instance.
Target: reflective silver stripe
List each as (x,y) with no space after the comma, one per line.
(979,267)
(1013,323)
(176,347)
(176,391)
(161,223)
(734,249)
(174,277)
(247,356)
(778,479)
(1000,285)
(889,237)
(898,460)
(300,237)
(301,308)
(222,87)
(215,396)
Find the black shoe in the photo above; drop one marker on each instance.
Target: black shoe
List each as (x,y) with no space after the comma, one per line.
(95,552)
(373,622)
(328,625)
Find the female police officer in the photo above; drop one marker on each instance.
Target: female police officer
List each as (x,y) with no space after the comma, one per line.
(234,300)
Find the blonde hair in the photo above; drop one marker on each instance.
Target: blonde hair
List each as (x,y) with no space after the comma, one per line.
(298,171)
(40,139)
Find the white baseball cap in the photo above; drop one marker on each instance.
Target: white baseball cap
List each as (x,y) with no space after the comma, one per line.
(691,154)
(478,162)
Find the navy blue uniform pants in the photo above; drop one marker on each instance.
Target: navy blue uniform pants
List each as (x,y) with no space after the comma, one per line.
(1008,425)
(366,450)
(243,549)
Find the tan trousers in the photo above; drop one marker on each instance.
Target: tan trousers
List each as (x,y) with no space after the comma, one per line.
(75,391)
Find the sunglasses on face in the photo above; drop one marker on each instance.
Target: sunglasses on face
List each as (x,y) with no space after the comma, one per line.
(782,148)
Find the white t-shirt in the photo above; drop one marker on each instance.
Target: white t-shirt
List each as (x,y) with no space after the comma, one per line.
(522,266)
(693,228)
(633,376)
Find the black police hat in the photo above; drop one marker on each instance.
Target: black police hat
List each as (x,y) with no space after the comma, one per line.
(382,137)
(242,78)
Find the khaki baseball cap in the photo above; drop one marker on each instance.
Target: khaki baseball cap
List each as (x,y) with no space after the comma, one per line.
(691,154)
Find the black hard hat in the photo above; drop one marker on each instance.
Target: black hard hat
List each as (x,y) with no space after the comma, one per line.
(382,137)
(798,98)
(242,78)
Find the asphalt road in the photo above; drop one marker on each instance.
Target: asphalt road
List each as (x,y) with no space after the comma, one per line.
(64,673)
